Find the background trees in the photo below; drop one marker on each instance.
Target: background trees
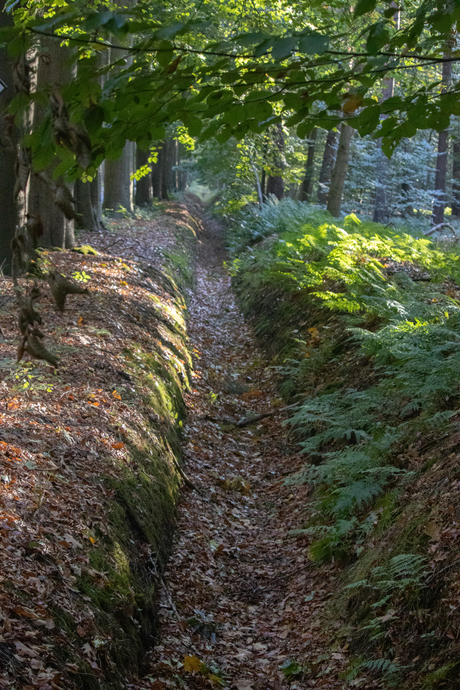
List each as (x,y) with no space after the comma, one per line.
(274,79)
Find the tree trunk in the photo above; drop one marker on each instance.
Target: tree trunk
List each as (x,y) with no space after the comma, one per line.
(406,193)
(157,172)
(87,216)
(165,168)
(8,154)
(118,186)
(144,185)
(334,201)
(275,183)
(306,188)
(182,172)
(441,160)
(456,180)
(327,165)
(381,210)
(96,199)
(58,231)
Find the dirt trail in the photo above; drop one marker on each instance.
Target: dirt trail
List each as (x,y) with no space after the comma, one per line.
(241,595)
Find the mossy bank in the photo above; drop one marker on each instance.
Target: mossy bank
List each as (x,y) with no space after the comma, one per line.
(92,450)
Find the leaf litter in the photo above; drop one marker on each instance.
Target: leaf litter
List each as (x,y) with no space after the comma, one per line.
(248,602)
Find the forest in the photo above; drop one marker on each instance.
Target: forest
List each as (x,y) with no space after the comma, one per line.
(229,329)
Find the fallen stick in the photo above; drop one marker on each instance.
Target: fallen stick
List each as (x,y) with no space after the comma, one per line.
(250,420)
(188,482)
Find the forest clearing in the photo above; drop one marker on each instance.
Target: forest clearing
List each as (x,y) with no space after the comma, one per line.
(229,345)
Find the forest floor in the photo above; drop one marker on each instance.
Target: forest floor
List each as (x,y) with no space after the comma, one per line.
(241,599)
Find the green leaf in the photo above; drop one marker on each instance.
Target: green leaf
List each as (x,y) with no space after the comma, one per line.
(313,43)
(168,31)
(259,110)
(94,117)
(378,37)
(235,115)
(224,135)
(247,40)
(165,53)
(304,129)
(194,126)
(283,47)
(364,6)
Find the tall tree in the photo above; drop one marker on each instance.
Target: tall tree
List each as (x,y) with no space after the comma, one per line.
(8,155)
(53,72)
(306,188)
(327,165)
(275,182)
(144,183)
(456,179)
(339,173)
(441,159)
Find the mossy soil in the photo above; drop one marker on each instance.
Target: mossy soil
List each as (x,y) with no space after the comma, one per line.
(91,454)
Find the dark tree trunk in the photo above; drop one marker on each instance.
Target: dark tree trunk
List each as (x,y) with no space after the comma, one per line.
(118,186)
(327,165)
(165,169)
(58,231)
(182,172)
(456,180)
(306,188)
(8,153)
(334,201)
(144,185)
(441,160)
(156,172)
(96,199)
(406,193)
(275,183)
(381,210)
(87,205)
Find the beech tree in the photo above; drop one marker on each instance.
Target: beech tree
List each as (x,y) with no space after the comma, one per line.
(9,137)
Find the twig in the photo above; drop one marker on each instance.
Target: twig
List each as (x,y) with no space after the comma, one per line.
(250,420)
(439,227)
(169,597)
(188,482)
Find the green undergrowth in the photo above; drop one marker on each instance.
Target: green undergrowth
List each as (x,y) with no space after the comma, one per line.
(363,322)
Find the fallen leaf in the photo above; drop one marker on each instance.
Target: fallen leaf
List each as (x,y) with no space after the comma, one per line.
(22,650)
(433,530)
(192,663)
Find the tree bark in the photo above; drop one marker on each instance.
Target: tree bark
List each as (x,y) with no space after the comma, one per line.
(306,188)
(381,210)
(96,199)
(118,186)
(441,160)
(144,185)
(334,201)
(275,183)
(327,165)
(58,231)
(157,173)
(456,180)
(8,154)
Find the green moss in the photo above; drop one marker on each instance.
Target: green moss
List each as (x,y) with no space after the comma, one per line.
(85,249)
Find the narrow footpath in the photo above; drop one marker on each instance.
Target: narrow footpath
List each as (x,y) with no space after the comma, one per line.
(240,597)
